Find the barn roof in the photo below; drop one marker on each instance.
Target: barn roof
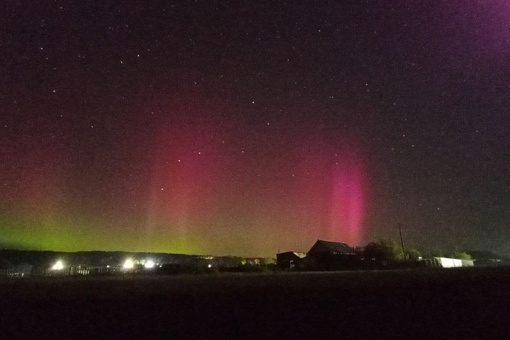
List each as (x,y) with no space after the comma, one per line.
(329,247)
(291,253)
(296,253)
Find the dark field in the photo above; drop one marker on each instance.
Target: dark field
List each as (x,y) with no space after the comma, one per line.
(460,303)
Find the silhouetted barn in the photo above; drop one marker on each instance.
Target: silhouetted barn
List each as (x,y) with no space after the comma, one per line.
(289,259)
(327,255)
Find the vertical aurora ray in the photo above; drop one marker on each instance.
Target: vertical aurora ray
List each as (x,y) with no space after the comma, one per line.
(347,202)
(185,180)
(332,191)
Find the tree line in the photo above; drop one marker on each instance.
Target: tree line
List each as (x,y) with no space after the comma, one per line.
(389,251)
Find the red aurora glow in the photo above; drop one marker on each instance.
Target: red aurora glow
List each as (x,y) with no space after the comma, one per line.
(196,191)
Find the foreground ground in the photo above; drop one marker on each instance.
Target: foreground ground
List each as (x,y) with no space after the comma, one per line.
(460,303)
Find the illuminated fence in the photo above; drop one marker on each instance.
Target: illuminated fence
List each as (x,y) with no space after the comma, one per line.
(23,270)
(94,270)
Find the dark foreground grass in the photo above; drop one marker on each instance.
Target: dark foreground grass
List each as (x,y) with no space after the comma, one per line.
(461,303)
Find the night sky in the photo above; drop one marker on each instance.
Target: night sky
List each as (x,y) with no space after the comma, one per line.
(248,127)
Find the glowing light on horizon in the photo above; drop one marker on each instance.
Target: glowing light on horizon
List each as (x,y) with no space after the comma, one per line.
(128,264)
(149,264)
(59,265)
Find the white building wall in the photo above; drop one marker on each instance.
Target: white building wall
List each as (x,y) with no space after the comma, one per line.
(446,262)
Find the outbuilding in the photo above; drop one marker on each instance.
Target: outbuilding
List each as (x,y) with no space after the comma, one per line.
(289,259)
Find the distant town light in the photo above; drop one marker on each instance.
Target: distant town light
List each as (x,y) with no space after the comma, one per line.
(59,265)
(129,264)
(149,264)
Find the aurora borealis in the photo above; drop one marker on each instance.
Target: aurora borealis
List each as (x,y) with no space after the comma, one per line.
(244,128)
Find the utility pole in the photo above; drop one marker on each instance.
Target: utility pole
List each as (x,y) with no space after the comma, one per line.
(402,242)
